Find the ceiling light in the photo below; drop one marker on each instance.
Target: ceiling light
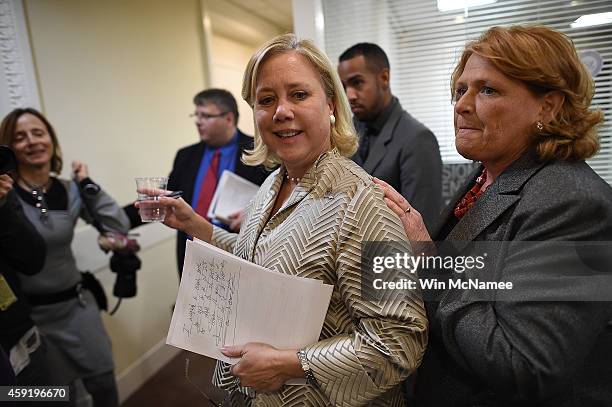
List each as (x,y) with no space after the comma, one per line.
(593,19)
(449,5)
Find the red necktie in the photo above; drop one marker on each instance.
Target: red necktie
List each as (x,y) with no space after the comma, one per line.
(207,190)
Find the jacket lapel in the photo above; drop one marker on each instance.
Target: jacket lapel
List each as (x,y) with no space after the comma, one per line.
(499,196)
(379,149)
(244,142)
(299,193)
(191,171)
(487,209)
(260,212)
(449,210)
(308,181)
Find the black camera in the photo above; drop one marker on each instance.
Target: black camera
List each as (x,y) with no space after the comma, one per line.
(125,264)
(124,261)
(8,161)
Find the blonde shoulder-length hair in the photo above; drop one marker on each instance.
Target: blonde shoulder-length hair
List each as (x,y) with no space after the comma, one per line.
(343,136)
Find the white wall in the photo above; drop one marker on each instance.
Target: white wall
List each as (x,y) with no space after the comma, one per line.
(116,79)
(232,20)
(228,61)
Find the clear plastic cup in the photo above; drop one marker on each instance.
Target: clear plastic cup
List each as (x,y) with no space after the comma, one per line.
(149,190)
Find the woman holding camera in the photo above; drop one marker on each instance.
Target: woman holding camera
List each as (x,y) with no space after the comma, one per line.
(22,252)
(63,307)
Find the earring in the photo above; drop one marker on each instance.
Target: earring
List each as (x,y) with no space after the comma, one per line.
(539,126)
(332,119)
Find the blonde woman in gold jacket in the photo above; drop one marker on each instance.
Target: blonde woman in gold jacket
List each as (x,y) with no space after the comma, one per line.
(310,218)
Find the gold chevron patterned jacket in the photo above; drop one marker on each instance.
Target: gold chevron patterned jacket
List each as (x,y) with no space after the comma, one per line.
(366,348)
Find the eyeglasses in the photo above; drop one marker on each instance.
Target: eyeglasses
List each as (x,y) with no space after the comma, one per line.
(206,116)
(41,203)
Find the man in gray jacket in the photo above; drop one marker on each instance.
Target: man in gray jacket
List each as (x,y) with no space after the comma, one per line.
(393,146)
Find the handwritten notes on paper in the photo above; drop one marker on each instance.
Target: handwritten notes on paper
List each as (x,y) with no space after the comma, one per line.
(225,300)
(212,306)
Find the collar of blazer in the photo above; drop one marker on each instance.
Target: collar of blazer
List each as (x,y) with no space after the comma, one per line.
(307,183)
(499,196)
(379,148)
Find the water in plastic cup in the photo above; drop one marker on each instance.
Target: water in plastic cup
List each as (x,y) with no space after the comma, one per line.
(149,191)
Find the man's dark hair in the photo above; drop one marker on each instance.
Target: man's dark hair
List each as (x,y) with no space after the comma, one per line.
(374,55)
(220,98)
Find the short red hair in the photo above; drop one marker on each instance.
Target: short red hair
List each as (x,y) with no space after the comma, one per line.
(544,60)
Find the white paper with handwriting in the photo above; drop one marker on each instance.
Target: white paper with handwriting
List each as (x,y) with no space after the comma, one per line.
(225,300)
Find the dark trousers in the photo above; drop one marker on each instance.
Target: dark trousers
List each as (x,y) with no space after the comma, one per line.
(102,388)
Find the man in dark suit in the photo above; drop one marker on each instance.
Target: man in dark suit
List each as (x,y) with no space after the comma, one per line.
(393,146)
(216,119)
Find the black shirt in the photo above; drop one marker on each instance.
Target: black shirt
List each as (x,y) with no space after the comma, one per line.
(369,130)
(22,250)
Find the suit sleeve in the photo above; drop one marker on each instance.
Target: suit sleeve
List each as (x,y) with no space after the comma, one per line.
(106,210)
(391,327)
(527,350)
(21,245)
(421,175)
(223,239)
(133,215)
(174,179)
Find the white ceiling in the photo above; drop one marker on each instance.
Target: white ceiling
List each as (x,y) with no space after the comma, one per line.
(276,12)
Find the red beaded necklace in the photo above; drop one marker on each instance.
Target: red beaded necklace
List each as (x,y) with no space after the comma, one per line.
(469,199)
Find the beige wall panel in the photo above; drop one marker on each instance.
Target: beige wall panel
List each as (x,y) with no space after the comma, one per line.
(228,61)
(141,322)
(117,79)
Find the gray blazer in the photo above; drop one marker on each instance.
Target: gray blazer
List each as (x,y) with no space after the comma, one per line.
(535,353)
(406,155)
